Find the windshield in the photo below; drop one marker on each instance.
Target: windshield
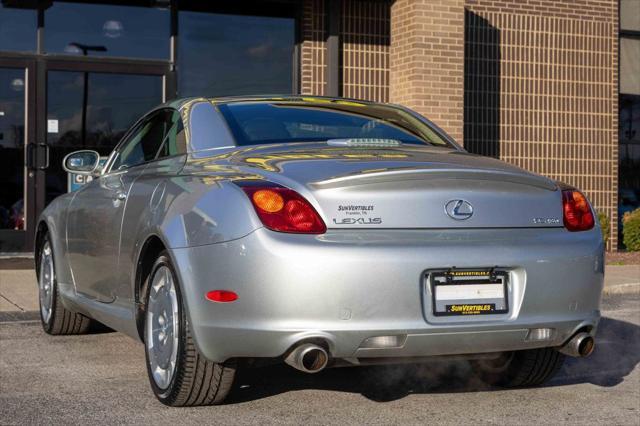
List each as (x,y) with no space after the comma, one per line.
(264,122)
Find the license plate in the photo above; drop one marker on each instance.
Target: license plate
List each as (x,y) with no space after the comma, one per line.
(469,292)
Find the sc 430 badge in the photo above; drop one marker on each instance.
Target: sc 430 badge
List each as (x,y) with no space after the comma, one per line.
(546,220)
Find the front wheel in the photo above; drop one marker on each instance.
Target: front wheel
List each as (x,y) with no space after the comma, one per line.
(530,367)
(179,375)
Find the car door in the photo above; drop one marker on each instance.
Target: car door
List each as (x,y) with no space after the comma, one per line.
(95,214)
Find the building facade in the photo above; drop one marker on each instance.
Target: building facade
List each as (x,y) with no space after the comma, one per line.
(532,82)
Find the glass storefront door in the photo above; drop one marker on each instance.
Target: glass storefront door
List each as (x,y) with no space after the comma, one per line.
(91,110)
(15,107)
(12,142)
(75,109)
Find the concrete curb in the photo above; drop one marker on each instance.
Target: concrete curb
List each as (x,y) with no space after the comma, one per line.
(28,316)
(628,288)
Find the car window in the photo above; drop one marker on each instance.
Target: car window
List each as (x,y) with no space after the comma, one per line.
(262,122)
(175,141)
(144,143)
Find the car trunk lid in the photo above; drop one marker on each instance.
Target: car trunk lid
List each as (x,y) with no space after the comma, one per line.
(406,187)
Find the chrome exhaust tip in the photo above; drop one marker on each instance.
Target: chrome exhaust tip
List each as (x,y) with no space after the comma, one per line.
(308,358)
(580,345)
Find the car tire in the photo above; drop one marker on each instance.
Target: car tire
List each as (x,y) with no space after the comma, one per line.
(55,318)
(530,367)
(179,375)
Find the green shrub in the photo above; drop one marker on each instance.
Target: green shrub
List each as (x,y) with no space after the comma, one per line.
(605,226)
(631,230)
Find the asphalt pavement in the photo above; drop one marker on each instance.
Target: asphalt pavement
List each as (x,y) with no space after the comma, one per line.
(101,379)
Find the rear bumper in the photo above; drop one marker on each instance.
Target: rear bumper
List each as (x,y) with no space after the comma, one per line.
(346,286)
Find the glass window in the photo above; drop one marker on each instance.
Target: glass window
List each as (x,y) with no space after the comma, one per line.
(18,29)
(629,137)
(175,142)
(232,54)
(630,15)
(107,30)
(113,103)
(12,103)
(144,142)
(630,66)
(288,121)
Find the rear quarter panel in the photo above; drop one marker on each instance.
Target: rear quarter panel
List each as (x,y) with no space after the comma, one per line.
(181,210)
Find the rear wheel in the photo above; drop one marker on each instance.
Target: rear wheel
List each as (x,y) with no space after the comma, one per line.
(55,318)
(520,368)
(179,375)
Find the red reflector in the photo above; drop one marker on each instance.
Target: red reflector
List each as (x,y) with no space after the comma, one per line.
(223,296)
(577,212)
(284,210)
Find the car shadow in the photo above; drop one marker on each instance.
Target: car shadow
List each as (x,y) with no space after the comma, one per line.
(616,355)
(99,328)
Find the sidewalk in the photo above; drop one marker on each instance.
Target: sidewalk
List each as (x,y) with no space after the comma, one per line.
(19,291)
(621,279)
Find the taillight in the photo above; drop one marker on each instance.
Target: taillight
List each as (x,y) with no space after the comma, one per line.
(284,210)
(577,213)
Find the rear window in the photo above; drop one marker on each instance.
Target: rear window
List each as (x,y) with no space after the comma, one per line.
(254,123)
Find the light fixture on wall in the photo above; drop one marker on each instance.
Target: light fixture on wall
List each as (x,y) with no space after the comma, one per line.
(17,84)
(112,29)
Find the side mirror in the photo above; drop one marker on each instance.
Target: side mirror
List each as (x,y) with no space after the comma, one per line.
(81,162)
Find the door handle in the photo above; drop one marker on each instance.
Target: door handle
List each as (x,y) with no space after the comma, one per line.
(46,156)
(37,156)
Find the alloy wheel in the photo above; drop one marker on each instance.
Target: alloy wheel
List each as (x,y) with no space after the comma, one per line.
(46,282)
(162,327)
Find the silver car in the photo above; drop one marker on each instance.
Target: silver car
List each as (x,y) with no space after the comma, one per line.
(319,232)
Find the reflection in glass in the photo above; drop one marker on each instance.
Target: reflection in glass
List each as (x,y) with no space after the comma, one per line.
(629,157)
(254,123)
(12,99)
(630,15)
(114,103)
(17,29)
(232,54)
(127,31)
(630,65)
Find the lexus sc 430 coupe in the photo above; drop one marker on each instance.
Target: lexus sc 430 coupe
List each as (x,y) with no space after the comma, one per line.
(320,232)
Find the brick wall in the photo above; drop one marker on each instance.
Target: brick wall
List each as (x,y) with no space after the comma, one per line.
(541,90)
(313,56)
(365,33)
(427,60)
(583,10)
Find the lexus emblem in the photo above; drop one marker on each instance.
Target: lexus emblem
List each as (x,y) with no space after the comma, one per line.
(458,209)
